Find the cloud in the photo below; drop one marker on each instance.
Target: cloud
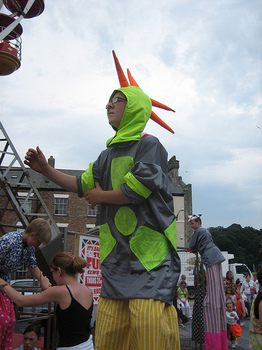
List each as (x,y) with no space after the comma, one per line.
(201,58)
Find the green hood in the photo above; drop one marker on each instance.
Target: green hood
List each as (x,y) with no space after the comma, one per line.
(137,112)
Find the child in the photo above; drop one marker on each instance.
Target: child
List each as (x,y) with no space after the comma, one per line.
(182,319)
(17,250)
(231,295)
(182,294)
(75,304)
(234,330)
(240,306)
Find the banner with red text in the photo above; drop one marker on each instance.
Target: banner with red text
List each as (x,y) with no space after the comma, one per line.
(92,277)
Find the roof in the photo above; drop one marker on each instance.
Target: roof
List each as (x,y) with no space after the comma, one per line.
(41,182)
(176,186)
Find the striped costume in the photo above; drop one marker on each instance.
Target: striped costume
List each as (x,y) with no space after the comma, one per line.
(214,303)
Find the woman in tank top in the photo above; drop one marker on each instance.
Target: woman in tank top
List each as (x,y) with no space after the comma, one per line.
(75,303)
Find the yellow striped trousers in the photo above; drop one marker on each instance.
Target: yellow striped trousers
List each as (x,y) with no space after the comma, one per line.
(136,324)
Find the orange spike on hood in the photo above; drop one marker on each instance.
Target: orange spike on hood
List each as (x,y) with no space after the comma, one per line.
(131,79)
(160,105)
(121,76)
(160,122)
(124,83)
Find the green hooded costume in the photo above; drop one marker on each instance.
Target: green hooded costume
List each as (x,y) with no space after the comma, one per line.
(138,240)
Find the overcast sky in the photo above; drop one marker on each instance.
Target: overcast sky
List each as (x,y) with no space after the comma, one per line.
(202,58)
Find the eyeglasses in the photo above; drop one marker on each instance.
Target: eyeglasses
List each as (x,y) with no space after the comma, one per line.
(116,100)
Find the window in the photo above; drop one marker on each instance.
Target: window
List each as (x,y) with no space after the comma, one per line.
(26,205)
(25,202)
(90,226)
(92,212)
(242,269)
(61,202)
(63,229)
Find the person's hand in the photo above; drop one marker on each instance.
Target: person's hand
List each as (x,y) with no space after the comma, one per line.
(44,282)
(35,159)
(94,196)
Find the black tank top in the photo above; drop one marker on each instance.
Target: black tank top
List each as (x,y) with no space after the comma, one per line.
(73,323)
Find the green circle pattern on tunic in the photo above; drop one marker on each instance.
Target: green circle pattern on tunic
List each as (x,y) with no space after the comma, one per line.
(125,221)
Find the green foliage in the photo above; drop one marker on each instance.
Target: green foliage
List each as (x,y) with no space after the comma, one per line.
(244,243)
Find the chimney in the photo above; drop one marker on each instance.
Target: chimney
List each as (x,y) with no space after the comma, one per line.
(173,166)
(51,161)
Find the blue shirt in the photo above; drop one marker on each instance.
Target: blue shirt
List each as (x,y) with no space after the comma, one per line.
(14,254)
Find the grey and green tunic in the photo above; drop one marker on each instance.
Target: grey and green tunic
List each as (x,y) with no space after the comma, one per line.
(137,241)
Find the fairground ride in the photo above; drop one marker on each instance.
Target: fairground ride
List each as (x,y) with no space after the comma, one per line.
(11,31)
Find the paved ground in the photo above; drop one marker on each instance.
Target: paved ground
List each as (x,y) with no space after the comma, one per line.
(243,342)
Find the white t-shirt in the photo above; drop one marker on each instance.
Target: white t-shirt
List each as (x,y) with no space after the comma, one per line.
(21,347)
(246,287)
(231,317)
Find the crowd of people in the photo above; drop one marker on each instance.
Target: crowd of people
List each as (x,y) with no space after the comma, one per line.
(230,298)
(237,305)
(75,301)
(17,249)
(243,300)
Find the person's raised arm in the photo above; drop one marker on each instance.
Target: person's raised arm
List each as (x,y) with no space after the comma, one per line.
(52,294)
(37,273)
(35,159)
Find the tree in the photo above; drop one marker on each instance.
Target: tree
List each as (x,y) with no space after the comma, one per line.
(242,242)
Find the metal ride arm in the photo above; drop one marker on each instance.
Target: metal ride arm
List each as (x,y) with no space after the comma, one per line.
(8,29)
(12,153)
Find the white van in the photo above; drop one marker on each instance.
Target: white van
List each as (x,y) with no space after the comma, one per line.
(187,259)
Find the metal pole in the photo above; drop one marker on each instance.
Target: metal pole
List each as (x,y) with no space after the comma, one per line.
(65,239)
